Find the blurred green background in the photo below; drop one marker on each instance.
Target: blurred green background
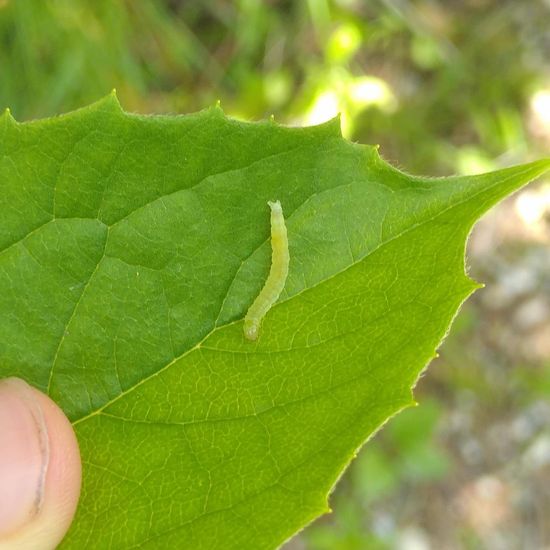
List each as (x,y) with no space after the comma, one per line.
(444,86)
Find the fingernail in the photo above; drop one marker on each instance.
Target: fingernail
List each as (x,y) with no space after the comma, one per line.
(24,454)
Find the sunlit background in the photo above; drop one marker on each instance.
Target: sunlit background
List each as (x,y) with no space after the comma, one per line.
(444,86)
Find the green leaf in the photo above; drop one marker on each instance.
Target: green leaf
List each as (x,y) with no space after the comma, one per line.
(131,248)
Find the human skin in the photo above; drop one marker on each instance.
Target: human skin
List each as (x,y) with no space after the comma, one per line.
(40,469)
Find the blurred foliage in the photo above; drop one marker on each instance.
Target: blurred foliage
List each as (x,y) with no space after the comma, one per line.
(444,86)
(440,85)
(404,458)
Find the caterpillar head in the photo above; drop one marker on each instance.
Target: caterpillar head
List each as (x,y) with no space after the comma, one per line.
(250,330)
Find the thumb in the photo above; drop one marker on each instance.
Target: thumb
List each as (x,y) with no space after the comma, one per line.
(39,469)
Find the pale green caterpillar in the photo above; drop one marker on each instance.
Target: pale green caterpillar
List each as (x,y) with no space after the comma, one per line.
(277,275)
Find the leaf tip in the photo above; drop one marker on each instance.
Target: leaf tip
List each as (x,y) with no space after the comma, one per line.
(473,285)
(108,103)
(216,109)
(331,127)
(112,101)
(337,123)
(7,117)
(372,156)
(536,169)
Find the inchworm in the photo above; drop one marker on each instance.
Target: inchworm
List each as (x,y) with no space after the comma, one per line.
(277,275)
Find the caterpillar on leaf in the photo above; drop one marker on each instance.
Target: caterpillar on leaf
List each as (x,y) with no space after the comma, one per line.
(276,279)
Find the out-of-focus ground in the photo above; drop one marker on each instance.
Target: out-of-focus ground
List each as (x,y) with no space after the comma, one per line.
(444,86)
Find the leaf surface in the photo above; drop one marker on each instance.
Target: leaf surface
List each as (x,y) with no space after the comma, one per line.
(131,248)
